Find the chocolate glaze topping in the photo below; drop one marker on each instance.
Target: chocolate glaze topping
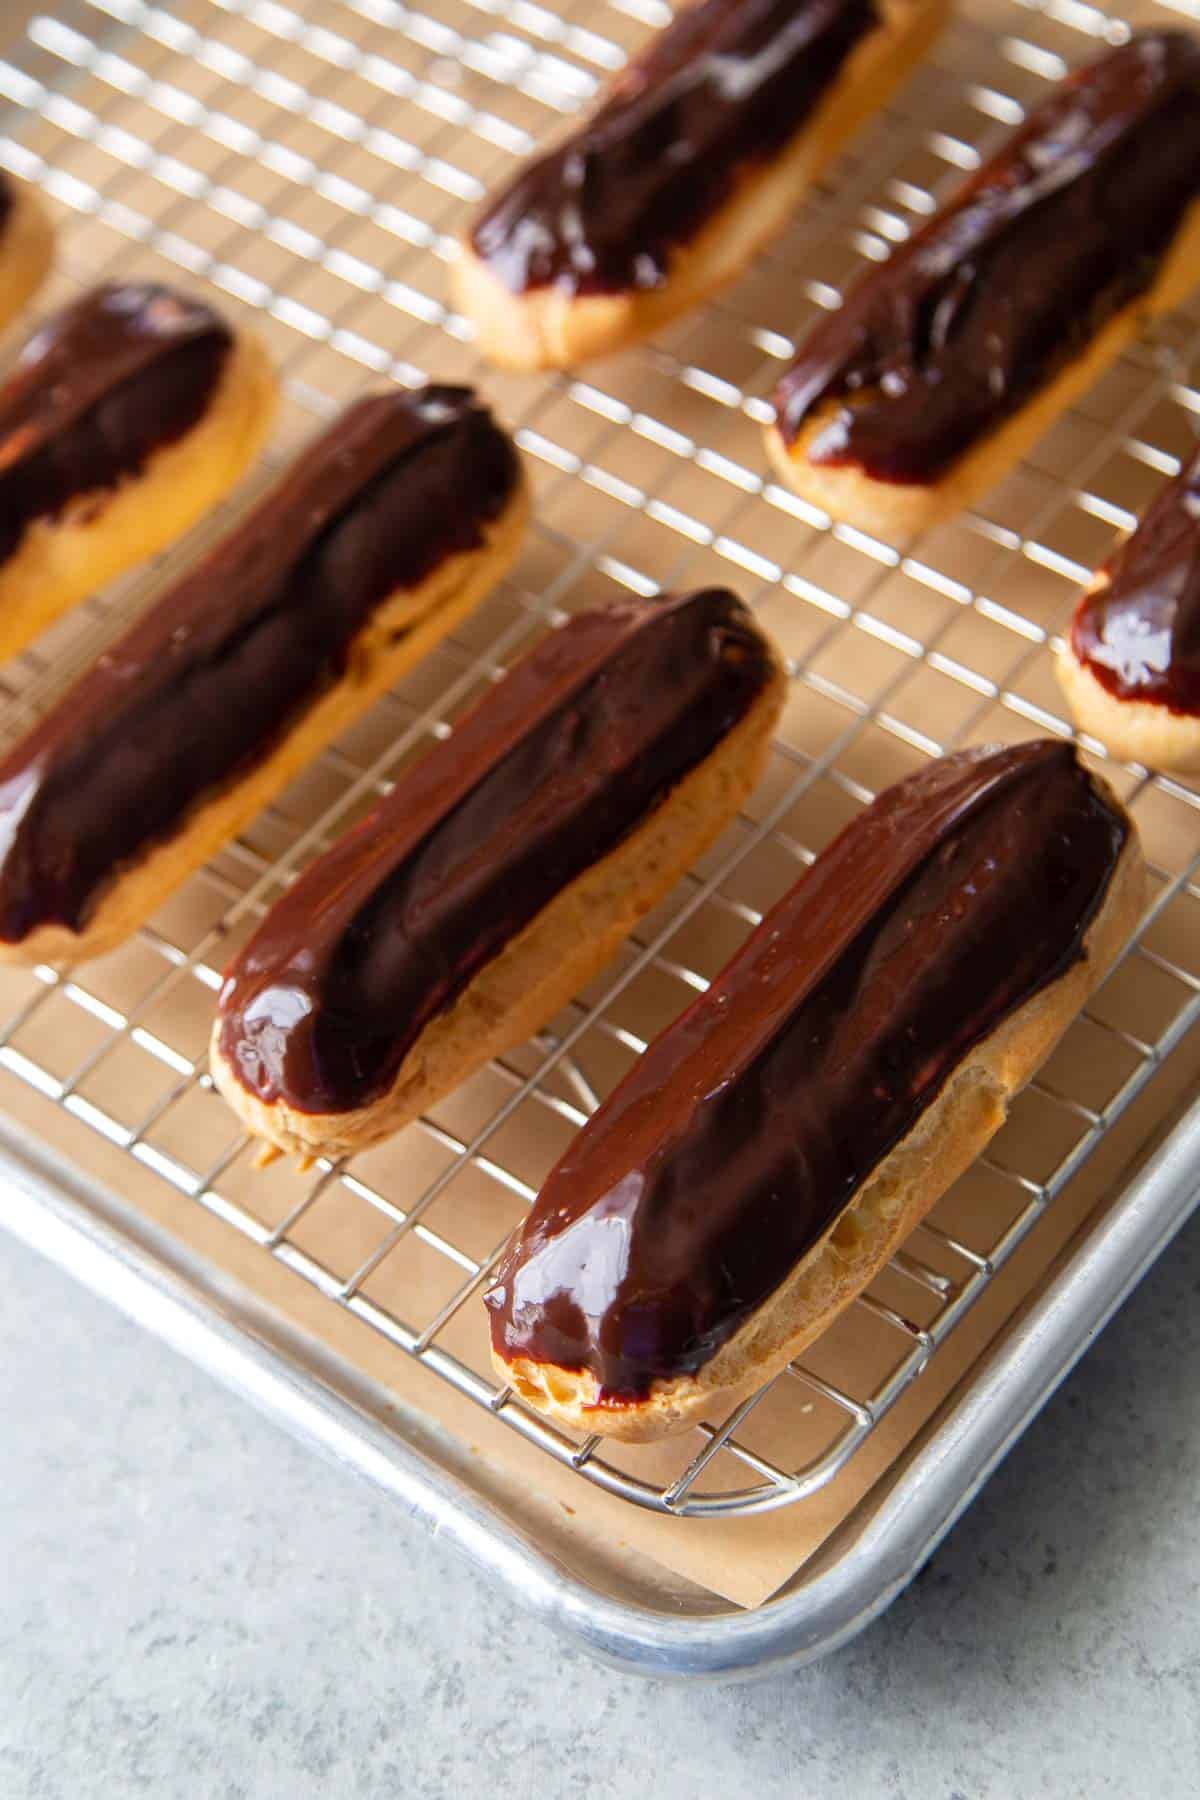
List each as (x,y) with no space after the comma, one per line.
(567,755)
(747,1126)
(204,685)
(727,84)
(6,199)
(1010,281)
(96,390)
(1139,632)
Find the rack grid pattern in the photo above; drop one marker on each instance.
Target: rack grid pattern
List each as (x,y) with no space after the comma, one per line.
(312,163)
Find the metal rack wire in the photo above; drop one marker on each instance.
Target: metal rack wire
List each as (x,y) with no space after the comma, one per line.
(312,164)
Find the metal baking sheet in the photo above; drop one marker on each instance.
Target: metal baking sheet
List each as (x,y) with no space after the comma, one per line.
(311,163)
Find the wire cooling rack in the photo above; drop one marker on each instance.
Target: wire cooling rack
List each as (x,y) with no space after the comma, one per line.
(311,163)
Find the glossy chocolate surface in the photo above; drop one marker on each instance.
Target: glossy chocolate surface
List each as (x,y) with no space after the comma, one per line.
(726,85)
(205,684)
(567,755)
(96,390)
(741,1134)
(1009,282)
(6,199)
(1139,633)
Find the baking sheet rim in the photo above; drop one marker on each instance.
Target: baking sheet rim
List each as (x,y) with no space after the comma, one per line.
(205,1315)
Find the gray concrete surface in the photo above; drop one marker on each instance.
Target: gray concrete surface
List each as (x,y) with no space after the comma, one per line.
(191,1605)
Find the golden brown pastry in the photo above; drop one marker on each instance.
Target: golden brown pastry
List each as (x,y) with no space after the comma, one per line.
(696,156)
(944,365)
(1130,667)
(383,534)
(500,874)
(769,1152)
(127,416)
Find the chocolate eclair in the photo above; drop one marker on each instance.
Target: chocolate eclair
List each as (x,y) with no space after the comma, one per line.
(26,246)
(694,158)
(382,535)
(500,874)
(1130,666)
(770,1150)
(943,366)
(128,415)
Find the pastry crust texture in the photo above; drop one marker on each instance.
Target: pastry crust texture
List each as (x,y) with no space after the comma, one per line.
(26,250)
(898,511)
(548,328)
(949,1135)
(60,560)
(403,628)
(545,964)
(1140,731)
